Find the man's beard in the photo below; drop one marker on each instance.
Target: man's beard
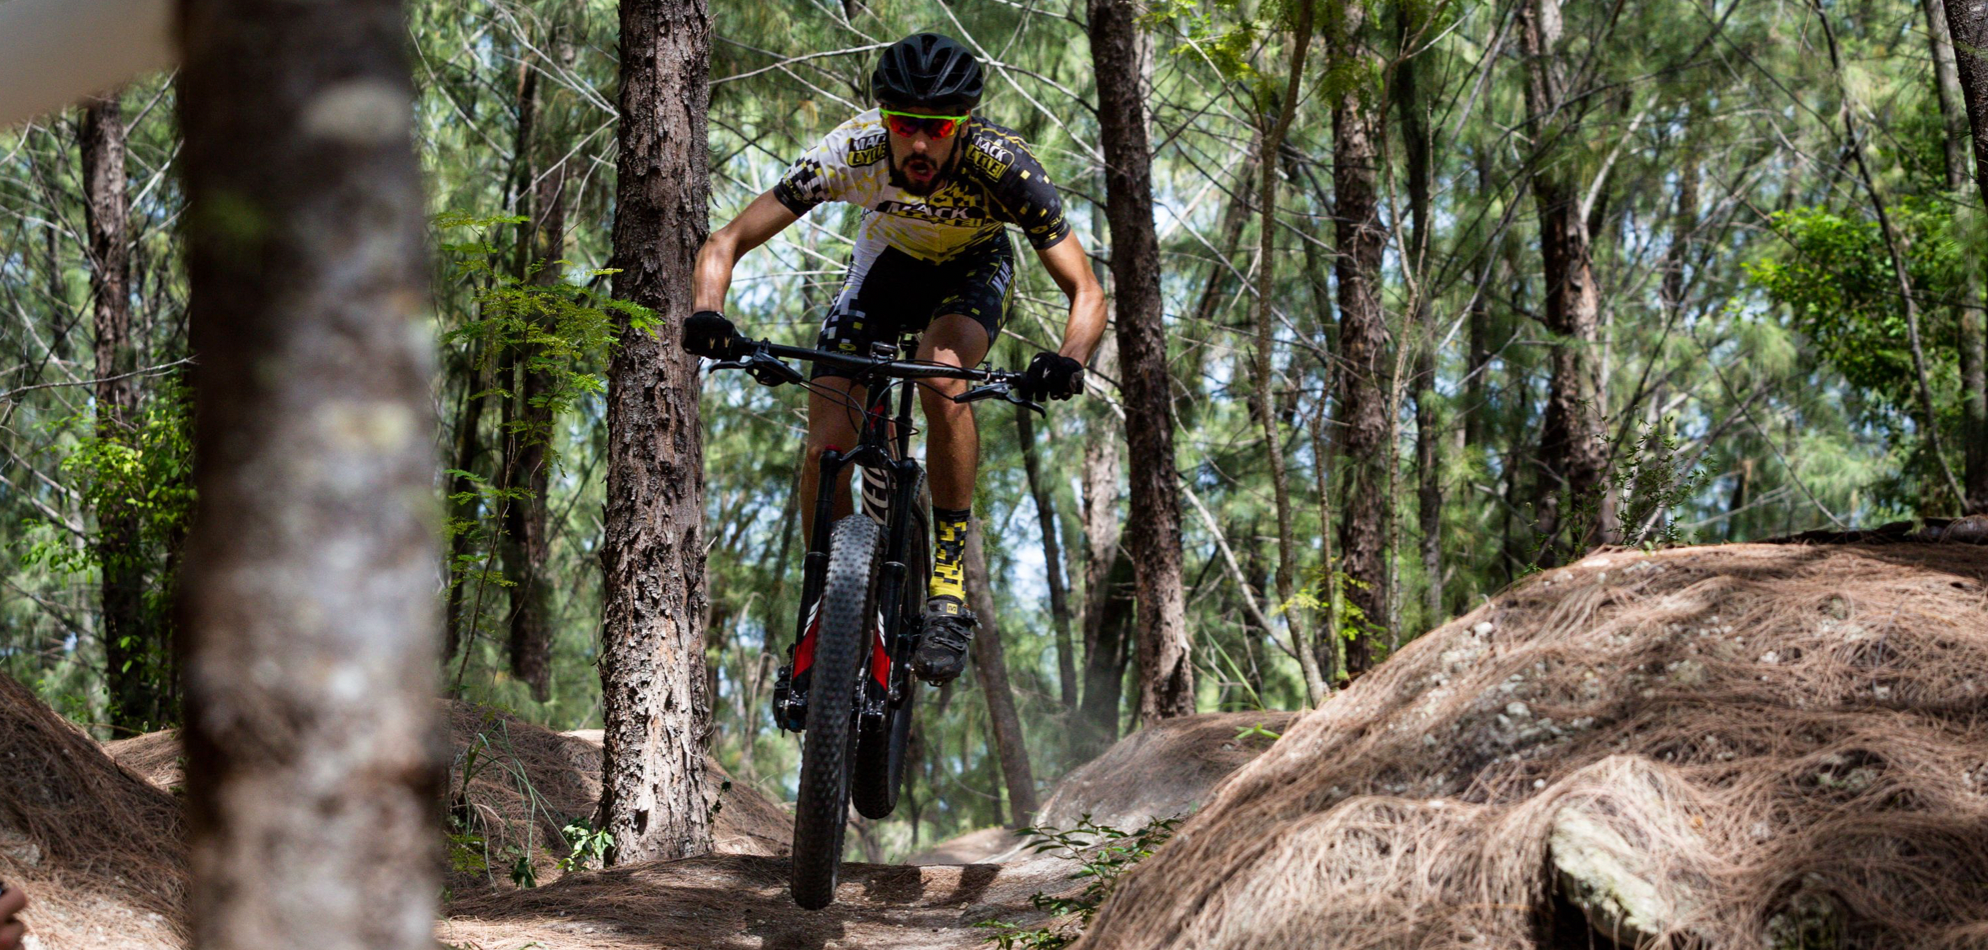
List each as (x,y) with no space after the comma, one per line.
(901,180)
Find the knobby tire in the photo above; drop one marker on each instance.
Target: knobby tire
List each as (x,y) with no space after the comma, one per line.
(880,751)
(848,609)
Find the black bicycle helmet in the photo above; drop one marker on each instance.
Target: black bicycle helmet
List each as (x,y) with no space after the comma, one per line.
(927,70)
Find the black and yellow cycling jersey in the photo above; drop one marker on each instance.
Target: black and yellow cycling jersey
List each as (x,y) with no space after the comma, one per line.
(993,182)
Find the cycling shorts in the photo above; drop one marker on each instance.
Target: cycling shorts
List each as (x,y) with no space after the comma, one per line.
(887,294)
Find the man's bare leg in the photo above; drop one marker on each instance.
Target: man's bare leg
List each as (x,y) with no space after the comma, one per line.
(952,442)
(831,424)
(952,456)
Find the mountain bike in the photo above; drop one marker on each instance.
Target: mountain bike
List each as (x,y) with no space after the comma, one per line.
(847,687)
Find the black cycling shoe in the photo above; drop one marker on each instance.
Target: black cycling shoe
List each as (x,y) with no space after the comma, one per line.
(941,655)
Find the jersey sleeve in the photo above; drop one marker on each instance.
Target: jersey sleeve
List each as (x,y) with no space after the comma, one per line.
(809,182)
(1023,191)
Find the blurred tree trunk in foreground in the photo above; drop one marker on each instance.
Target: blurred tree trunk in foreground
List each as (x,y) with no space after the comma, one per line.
(309,594)
(1166,673)
(652,658)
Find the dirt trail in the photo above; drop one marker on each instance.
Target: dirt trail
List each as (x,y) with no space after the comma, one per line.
(740,901)
(736,898)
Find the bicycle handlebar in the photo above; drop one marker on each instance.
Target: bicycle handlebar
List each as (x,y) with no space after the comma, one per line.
(763,361)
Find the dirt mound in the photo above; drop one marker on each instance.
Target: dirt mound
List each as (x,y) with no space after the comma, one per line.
(986,846)
(1744,746)
(155,757)
(513,788)
(97,848)
(740,901)
(1162,771)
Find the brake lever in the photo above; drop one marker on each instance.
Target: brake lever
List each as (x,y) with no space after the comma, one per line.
(771,370)
(1003,391)
(764,369)
(1026,403)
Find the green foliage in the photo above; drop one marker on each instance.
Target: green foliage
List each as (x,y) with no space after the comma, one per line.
(147,473)
(1219,31)
(1653,488)
(588,845)
(518,322)
(1836,278)
(1103,855)
(467,829)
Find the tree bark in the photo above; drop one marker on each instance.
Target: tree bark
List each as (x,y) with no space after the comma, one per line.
(1410,109)
(468,449)
(1362,402)
(1052,559)
(1946,86)
(991,665)
(1571,449)
(308,598)
(1106,572)
(531,631)
(1965,41)
(652,660)
(1166,674)
(1967,27)
(134,675)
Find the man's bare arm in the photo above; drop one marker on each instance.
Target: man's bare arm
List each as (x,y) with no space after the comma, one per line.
(1071,269)
(754,226)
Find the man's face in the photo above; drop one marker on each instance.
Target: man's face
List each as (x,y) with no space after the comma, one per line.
(920,161)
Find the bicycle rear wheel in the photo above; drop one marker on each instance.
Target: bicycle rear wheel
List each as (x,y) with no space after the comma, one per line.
(848,609)
(880,750)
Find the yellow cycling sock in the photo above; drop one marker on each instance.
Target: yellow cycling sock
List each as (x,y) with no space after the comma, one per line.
(949,530)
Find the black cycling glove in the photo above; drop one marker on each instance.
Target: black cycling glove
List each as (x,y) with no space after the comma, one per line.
(1052,376)
(708,333)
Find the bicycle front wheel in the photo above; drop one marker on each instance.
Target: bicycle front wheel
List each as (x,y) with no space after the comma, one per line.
(848,611)
(882,749)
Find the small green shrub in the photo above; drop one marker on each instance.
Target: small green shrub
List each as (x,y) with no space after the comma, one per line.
(1103,855)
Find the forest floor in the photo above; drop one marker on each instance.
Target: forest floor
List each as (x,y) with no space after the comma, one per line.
(1821,698)
(741,901)
(94,834)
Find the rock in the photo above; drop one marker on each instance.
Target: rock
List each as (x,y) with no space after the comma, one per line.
(1626,894)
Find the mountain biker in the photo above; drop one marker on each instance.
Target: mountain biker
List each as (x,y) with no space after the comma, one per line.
(937,185)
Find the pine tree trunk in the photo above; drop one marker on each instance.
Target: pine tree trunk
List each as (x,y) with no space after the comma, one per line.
(990,665)
(308,600)
(1052,560)
(1966,42)
(652,659)
(1946,87)
(1362,402)
(133,673)
(531,632)
(1105,570)
(1428,445)
(1571,449)
(1166,673)
(1262,372)
(468,449)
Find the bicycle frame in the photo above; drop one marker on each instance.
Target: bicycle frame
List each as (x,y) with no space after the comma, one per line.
(877,448)
(881,448)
